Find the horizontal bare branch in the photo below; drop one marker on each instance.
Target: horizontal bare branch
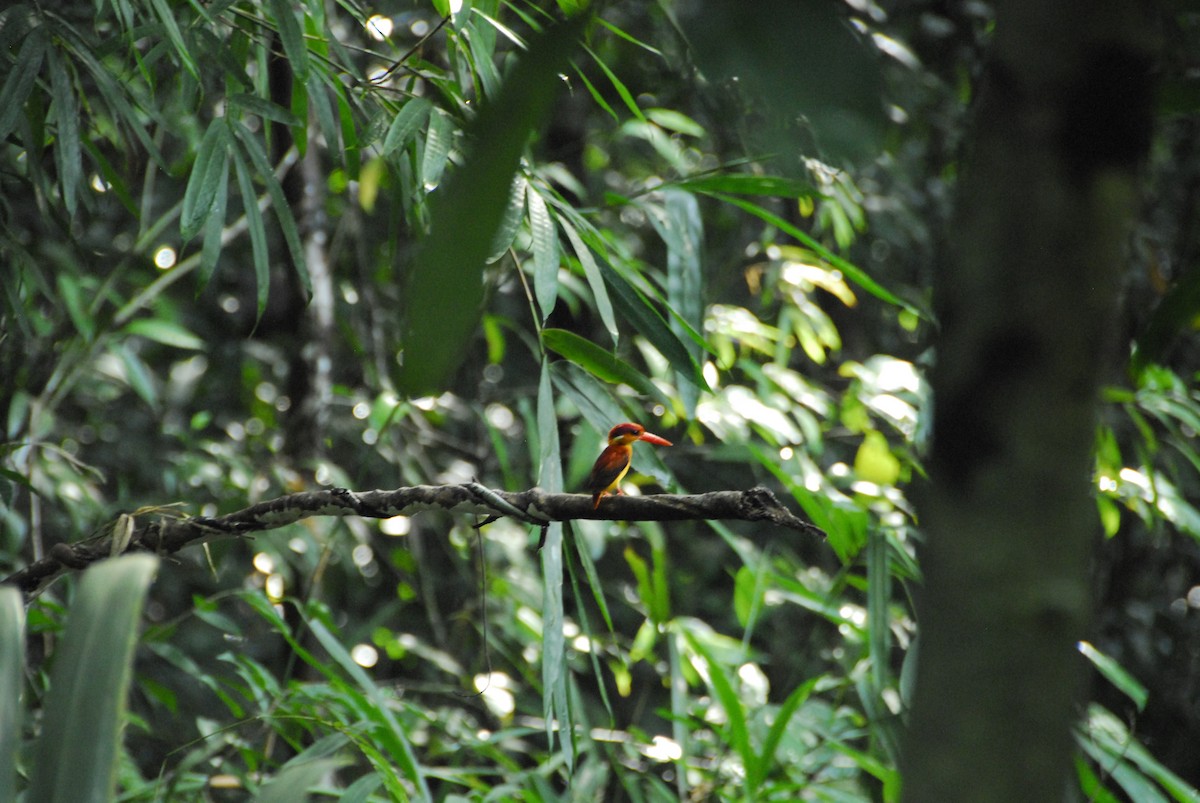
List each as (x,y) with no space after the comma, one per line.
(166,534)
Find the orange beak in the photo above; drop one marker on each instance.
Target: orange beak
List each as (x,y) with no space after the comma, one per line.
(613,463)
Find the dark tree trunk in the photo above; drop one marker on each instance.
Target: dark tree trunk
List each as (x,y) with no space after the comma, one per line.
(1026,297)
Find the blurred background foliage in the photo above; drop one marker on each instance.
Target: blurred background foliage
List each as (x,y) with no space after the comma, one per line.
(225,237)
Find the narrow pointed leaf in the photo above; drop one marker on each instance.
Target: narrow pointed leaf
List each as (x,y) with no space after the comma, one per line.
(279,202)
(12,680)
(258,234)
(598,362)
(595,279)
(75,757)
(68,155)
(293,38)
(554,658)
(208,172)
(175,36)
(544,239)
(445,290)
(851,271)
(513,214)
(438,139)
(20,80)
(405,124)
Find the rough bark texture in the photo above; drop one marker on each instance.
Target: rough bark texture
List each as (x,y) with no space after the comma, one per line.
(1026,299)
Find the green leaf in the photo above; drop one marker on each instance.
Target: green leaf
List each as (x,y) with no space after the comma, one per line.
(554,658)
(595,279)
(166,332)
(622,90)
(398,740)
(438,139)
(405,124)
(746,184)
(73,296)
(139,375)
(20,80)
(214,230)
(682,231)
(12,680)
(208,173)
(513,214)
(68,154)
(738,733)
(598,362)
(293,38)
(445,290)
(294,781)
(75,757)
(263,108)
(544,244)
(318,95)
(258,233)
(851,271)
(175,36)
(639,311)
(279,202)
(758,771)
(1116,674)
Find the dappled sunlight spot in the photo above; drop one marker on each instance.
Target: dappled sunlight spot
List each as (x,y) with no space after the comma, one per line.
(379,27)
(1135,478)
(854,614)
(263,563)
(364,655)
(362,555)
(663,748)
(274,586)
(98,183)
(755,686)
(495,689)
(298,545)
(164,257)
(396,525)
(499,416)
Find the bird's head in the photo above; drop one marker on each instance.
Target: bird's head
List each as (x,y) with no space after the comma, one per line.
(625,434)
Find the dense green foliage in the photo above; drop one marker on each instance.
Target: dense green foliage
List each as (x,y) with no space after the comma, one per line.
(255,246)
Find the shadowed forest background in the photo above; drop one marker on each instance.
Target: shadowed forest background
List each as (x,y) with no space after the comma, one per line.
(256,247)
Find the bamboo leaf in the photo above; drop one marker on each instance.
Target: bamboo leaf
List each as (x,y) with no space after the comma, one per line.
(68,154)
(445,290)
(513,214)
(166,332)
(214,227)
(263,108)
(723,689)
(598,362)
(438,138)
(554,658)
(75,757)
(20,80)
(545,253)
(595,279)
(405,124)
(12,680)
(208,174)
(294,781)
(292,36)
(175,36)
(851,271)
(258,233)
(279,202)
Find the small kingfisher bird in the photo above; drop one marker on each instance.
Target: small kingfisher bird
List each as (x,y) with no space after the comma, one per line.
(613,463)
